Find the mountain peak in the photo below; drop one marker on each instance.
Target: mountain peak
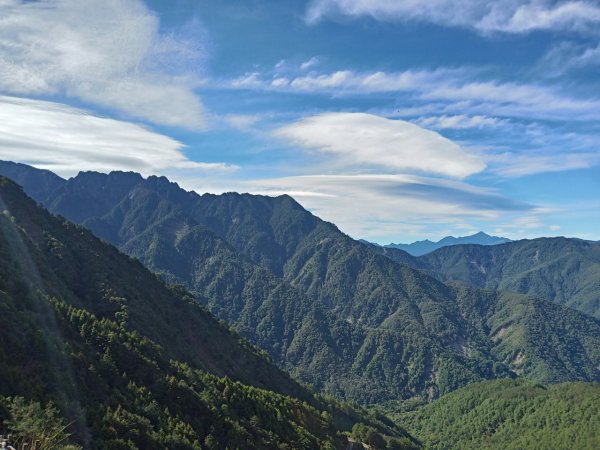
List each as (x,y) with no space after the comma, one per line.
(111,176)
(420,248)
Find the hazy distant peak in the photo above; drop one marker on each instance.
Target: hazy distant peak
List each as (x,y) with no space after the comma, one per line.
(419,248)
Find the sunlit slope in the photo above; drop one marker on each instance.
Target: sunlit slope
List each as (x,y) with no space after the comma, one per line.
(511,415)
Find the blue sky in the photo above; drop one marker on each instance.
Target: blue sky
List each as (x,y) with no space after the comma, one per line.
(396,120)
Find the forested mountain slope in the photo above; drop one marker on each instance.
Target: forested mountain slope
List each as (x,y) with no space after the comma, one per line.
(132,363)
(566,271)
(333,312)
(515,415)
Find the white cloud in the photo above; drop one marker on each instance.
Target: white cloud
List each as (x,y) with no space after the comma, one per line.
(347,80)
(507,16)
(242,122)
(280,82)
(457,89)
(459,121)
(380,206)
(107,52)
(529,222)
(67,140)
(515,99)
(310,63)
(280,65)
(248,80)
(589,56)
(365,140)
(518,165)
(567,56)
(453,99)
(534,15)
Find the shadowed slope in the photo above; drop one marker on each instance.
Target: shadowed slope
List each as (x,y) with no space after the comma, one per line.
(132,363)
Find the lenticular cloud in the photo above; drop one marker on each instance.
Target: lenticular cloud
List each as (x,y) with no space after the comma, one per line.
(365,140)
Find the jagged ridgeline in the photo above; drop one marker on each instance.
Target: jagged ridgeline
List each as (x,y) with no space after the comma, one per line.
(332,311)
(129,363)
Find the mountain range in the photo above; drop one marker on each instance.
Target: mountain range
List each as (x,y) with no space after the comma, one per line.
(562,270)
(420,248)
(133,363)
(339,315)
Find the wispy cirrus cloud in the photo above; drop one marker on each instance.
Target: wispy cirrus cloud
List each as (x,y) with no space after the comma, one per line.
(516,99)
(512,164)
(109,53)
(242,122)
(505,16)
(370,82)
(459,91)
(459,121)
(454,99)
(360,140)
(247,81)
(66,140)
(310,63)
(568,56)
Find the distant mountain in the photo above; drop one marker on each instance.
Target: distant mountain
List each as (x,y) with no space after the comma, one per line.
(41,183)
(511,415)
(132,363)
(332,311)
(565,271)
(419,248)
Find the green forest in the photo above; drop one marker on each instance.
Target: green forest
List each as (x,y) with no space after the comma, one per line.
(131,363)
(510,414)
(192,331)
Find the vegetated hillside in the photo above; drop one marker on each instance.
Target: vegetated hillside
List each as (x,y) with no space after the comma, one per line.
(540,340)
(397,255)
(41,184)
(419,248)
(511,414)
(362,359)
(566,271)
(132,363)
(330,310)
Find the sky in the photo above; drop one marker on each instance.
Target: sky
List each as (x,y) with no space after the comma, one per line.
(397,120)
